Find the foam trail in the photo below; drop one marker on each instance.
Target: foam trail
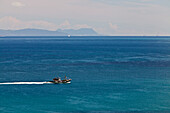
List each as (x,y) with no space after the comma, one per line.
(10,83)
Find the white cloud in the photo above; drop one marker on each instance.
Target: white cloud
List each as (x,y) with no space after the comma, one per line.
(13,23)
(82,26)
(17,4)
(65,25)
(113,26)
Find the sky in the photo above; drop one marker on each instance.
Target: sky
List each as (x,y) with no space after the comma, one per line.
(107,17)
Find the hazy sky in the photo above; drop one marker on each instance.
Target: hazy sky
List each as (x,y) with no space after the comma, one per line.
(108,17)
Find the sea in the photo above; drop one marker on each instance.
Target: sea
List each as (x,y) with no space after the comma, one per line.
(110,74)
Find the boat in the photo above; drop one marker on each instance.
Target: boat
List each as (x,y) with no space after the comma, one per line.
(59,81)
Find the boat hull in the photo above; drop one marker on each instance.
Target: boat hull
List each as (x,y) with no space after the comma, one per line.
(61,82)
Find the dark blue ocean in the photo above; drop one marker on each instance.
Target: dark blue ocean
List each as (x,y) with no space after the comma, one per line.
(109,74)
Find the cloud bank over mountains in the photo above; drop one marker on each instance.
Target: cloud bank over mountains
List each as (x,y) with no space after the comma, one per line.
(108,17)
(11,23)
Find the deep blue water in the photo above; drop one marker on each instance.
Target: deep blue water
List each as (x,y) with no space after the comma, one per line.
(109,74)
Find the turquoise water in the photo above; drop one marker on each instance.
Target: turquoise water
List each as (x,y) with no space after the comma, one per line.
(109,74)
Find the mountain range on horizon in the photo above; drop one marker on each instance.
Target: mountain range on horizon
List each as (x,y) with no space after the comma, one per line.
(43,32)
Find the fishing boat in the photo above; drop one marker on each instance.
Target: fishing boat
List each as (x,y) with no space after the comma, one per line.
(59,81)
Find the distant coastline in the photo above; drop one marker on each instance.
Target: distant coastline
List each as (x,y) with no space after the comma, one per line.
(81,36)
(42,32)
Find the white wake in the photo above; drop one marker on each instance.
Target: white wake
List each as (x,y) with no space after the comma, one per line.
(10,83)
